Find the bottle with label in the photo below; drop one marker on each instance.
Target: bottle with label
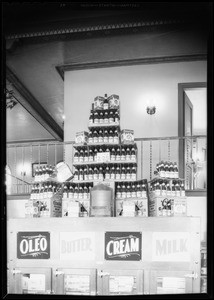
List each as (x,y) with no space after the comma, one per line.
(128,190)
(163,187)
(118,191)
(90,173)
(166,165)
(106,118)
(86,155)
(106,137)
(111,117)
(128,173)
(46,172)
(76,175)
(161,169)
(76,192)
(95,137)
(118,157)
(128,154)
(157,188)
(123,154)
(123,190)
(81,156)
(175,167)
(65,192)
(90,156)
(112,172)
(81,174)
(101,118)
(143,189)
(100,136)
(116,117)
(138,190)
(80,192)
(50,191)
(71,191)
(45,190)
(90,137)
(177,189)
(107,173)
(36,174)
(173,189)
(171,170)
(95,154)
(100,174)
(116,137)
(85,191)
(123,172)
(168,189)
(117,172)
(105,104)
(133,154)
(111,136)
(85,173)
(133,172)
(76,156)
(133,190)
(91,118)
(95,177)
(113,154)
(182,189)
(96,118)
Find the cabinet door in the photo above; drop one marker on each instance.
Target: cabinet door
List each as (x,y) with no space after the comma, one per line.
(30,281)
(171,282)
(120,282)
(74,281)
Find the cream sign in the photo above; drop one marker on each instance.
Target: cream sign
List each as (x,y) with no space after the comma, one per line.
(171,246)
(77,246)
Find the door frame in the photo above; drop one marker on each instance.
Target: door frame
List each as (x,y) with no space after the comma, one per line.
(181,127)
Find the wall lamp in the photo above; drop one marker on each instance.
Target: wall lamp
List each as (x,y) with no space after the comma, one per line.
(151,110)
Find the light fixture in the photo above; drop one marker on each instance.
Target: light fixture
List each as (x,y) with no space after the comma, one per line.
(151,110)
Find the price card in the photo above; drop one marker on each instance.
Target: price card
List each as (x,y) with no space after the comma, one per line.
(103,157)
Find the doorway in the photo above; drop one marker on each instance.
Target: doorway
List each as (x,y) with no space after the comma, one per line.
(192,130)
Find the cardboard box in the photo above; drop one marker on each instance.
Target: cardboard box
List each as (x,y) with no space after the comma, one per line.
(98,102)
(167,206)
(32,209)
(114,101)
(81,137)
(127,136)
(51,207)
(142,204)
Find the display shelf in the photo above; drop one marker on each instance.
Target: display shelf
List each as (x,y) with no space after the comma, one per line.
(165,178)
(125,162)
(102,145)
(103,125)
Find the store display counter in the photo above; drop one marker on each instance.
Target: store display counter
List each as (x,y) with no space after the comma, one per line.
(104,256)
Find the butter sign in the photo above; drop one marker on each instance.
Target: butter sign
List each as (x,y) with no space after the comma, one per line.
(123,246)
(33,245)
(171,246)
(77,246)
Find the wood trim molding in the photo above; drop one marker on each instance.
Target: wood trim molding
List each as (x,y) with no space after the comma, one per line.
(32,105)
(61,69)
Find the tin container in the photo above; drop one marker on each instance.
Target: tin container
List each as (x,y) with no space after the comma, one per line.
(114,101)
(101,201)
(98,102)
(127,136)
(81,137)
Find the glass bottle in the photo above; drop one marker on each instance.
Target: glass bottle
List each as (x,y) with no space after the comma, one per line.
(163,188)
(50,190)
(133,154)
(90,155)
(80,192)
(177,189)
(157,188)
(128,154)
(91,118)
(118,191)
(95,154)
(107,173)
(76,175)
(111,117)
(85,192)
(173,189)
(76,156)
(128,173)
(81,156)
(167,169)
(161,169)
(106,119)
(81,174)
(116,137)
(86,155)
(76,192)
(171,170)
(100,174)
(123,190)
(118,157)
(96,118)
(128,190)
(182,189)
(85,173)
(133,190)
(90,173)
(101,119)
(100,137)
(112,172)
(105,137)
(113,154)
(111,136)
(168,189)
(116,117)
(175,170)
(95,177)
(90,137)
(105,104)
(71,191)
(123,154)
(133,172)
(117,175)
(65,191)
(123,172)
(95,137)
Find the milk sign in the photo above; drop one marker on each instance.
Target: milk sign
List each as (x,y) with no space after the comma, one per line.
(123,245)
(33,245)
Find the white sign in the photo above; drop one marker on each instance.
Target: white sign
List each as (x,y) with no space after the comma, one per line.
(171,285)
(171,246)
(77,246)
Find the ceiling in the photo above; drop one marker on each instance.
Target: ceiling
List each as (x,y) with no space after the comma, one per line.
(41,37)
